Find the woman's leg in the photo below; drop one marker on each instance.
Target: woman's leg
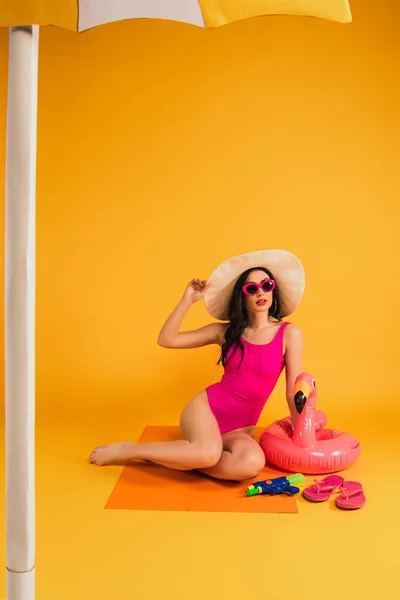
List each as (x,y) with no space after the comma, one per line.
(200,448)
(241,459)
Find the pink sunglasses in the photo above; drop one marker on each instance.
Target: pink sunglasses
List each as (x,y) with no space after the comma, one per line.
(251,288)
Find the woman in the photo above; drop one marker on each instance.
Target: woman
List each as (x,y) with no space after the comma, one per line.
(253,292)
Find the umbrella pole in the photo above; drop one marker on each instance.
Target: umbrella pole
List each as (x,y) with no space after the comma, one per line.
(19,306)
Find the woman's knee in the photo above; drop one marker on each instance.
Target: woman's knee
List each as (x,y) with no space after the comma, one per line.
(207,454)
(251,463)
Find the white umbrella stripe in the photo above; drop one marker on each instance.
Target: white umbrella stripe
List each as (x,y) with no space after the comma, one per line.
(93,13)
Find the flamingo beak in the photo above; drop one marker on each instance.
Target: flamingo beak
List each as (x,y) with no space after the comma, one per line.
(301,393)
(300,400)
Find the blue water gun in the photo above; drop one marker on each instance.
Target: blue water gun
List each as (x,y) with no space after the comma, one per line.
(279,485)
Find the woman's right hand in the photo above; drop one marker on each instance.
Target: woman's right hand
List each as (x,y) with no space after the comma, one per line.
(195,290)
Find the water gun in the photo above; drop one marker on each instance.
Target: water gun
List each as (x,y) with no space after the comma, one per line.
(279,485)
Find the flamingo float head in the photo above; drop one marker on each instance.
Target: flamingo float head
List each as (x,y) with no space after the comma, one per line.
(305,392)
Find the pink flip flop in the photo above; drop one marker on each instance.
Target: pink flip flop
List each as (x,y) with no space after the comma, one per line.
(352,496)
(322,490)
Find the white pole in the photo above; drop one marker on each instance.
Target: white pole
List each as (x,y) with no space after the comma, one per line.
(20,311)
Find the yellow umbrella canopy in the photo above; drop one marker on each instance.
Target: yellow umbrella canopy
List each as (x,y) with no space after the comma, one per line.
(79,15)
(24,17)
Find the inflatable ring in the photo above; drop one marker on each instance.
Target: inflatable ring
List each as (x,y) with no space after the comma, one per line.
(309,448)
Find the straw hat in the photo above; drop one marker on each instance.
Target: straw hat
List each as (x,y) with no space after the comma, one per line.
(286,268)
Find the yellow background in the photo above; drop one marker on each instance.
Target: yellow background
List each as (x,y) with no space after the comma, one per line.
(164,149)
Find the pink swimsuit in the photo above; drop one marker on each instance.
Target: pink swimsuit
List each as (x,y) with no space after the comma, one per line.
(238,399)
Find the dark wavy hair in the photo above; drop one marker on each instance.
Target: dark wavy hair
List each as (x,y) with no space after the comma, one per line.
(238,317)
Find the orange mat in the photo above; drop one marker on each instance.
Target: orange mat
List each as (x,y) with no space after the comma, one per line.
(145,486)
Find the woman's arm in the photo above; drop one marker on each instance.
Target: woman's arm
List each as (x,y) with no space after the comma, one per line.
(171,337)
(294,365)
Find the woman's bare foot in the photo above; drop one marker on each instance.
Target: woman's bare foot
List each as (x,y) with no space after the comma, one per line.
(112,454)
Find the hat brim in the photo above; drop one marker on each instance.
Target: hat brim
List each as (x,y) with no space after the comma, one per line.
(286,268)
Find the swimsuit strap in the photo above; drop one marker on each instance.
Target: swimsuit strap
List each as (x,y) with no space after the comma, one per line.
(281,333)
(282,328)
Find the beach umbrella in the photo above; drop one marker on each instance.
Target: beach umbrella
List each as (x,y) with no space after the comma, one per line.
(23,18)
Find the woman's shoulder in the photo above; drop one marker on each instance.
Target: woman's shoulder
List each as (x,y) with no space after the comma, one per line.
(292,332)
